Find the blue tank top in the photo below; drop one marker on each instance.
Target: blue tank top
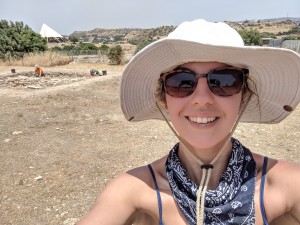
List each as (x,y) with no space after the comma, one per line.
(261,199)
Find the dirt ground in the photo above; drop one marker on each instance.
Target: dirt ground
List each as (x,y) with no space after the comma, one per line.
(63,137)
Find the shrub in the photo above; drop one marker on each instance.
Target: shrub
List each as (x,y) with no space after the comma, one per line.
(87,46)
(251,37)
(115,55)
(104,49)
(291,37)
(293,31)
(68,47)
(267,35)
(56,48)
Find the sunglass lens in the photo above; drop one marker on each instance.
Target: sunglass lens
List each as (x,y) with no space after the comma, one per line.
(225,82)
(180,84)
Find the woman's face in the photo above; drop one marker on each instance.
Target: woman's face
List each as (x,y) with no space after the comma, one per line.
(203,119)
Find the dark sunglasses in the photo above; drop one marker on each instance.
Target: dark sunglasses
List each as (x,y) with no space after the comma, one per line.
(182,82)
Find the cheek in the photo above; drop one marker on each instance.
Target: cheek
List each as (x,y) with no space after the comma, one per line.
(174,106)
(170,106)
(233,104)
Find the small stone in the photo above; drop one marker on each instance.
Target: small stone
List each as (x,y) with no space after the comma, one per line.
(38,178)
(34,87)
(21,182)
(63,214)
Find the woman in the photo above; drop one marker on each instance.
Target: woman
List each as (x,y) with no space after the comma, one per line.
(204,81)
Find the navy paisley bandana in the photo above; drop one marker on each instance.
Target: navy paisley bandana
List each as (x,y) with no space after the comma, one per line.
(233,200)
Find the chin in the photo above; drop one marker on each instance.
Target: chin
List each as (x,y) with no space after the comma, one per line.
(204,142)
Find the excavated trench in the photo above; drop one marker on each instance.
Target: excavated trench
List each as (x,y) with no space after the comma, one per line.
(30,80)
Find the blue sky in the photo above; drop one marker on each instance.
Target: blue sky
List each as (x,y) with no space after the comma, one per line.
(66,16)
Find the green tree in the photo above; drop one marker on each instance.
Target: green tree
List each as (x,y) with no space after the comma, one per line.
(251,37)
(118,38)
(115,55)
(104,49)
(73,39)
(16,39)
(86,48)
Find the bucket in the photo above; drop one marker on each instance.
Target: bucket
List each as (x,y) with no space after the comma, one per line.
(104,72)
(13,70)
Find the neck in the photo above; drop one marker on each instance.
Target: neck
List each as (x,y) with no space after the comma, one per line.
(206,156)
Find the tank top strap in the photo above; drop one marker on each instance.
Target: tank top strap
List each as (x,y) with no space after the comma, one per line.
(262,187)
(158,194)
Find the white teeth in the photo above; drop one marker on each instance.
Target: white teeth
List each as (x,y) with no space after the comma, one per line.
(202,119)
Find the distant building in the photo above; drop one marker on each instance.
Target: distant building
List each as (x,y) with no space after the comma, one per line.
(51,35)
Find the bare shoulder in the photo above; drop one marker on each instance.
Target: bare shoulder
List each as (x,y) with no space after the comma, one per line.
(283,172)
(278,170)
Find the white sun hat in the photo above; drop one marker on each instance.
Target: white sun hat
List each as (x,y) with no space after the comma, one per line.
(275,71)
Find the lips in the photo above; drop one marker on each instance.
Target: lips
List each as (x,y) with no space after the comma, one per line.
(202,120)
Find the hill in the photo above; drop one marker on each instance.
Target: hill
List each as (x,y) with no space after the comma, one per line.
(276,26)
(124,35)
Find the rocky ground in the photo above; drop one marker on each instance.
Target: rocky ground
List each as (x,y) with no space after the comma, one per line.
(63,137)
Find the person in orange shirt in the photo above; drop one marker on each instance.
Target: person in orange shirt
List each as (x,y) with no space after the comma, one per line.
(39,71)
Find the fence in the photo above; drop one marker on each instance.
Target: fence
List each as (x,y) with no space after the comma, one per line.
(289,44)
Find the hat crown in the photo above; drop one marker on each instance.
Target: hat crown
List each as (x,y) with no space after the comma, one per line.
(205,32)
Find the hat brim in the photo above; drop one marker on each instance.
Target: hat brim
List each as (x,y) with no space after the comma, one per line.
(275,71)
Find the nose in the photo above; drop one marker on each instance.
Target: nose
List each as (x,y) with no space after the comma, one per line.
(202,94)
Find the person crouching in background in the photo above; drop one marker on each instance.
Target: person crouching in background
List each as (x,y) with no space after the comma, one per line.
(39,71)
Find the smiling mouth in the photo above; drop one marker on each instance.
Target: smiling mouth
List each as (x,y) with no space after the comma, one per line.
(202,120)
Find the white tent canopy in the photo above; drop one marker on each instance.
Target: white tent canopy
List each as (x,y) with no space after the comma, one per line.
(50,34)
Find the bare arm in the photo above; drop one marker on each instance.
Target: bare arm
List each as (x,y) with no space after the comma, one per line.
(116,203)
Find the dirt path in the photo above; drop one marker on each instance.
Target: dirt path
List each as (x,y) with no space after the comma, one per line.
(61,144)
